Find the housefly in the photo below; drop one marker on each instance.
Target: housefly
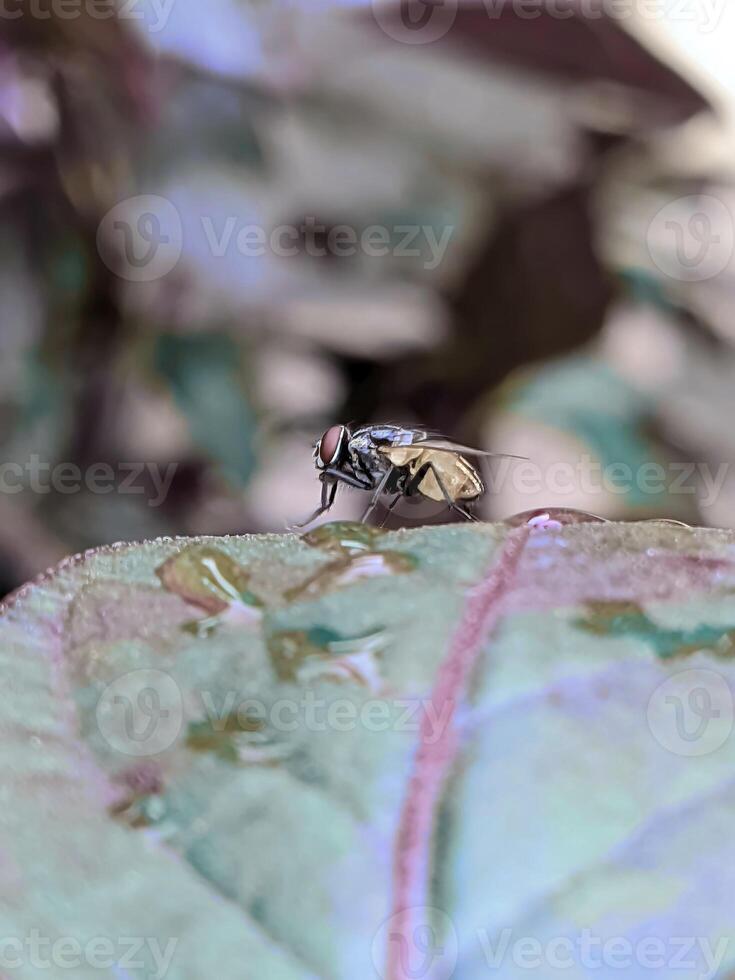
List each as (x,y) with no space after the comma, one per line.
(397,461)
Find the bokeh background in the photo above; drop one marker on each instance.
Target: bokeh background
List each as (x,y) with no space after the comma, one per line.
(508,221)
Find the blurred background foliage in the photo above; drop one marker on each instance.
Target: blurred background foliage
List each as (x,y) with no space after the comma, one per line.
(552,326)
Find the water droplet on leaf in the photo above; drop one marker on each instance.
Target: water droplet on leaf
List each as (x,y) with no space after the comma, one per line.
(207,577)
(552,518)
(305,655)
(240,738)
(343,537)
(666,520)
(351,567)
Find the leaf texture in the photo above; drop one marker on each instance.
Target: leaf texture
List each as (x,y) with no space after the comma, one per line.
(463,750)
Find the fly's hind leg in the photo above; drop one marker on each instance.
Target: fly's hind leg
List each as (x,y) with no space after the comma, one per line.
(467,514)
(451,504)
(390,507)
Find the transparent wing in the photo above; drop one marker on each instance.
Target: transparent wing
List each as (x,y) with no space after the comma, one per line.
(442,445)
(391,435)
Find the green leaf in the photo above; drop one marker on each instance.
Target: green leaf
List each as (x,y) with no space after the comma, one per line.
(204,377)
(475,744)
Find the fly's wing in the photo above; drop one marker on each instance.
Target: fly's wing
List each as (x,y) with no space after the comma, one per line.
(440,445)
(404,444)
(389,435)
(392,434)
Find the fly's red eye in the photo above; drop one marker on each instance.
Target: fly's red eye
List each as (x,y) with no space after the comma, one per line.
(329,444)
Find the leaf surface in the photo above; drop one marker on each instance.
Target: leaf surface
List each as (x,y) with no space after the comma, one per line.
(365,754)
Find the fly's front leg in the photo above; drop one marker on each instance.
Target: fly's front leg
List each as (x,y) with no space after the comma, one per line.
(329,492)
(331,477)
(351,479)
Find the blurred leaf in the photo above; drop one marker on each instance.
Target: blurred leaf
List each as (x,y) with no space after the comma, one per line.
(203,373)
(587,399)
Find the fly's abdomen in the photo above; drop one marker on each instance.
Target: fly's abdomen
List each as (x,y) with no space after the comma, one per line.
(449,473)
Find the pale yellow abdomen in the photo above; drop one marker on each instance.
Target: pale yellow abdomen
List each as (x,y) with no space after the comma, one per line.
(460,479)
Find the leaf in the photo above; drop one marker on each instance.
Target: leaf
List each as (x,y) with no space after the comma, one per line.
(513,746)
(628,619)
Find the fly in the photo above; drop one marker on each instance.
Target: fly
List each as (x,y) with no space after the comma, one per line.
(396,461)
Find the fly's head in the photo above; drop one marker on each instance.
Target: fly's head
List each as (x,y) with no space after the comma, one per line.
(331,450)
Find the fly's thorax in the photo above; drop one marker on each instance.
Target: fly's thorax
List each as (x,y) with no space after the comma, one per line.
(366,454)
(360,443)
(387,433)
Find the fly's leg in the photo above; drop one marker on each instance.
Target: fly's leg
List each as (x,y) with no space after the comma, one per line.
(390,507)
(351,479)
(467,514)
(331,477)
(376,494)
(329,492)
(451,504)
